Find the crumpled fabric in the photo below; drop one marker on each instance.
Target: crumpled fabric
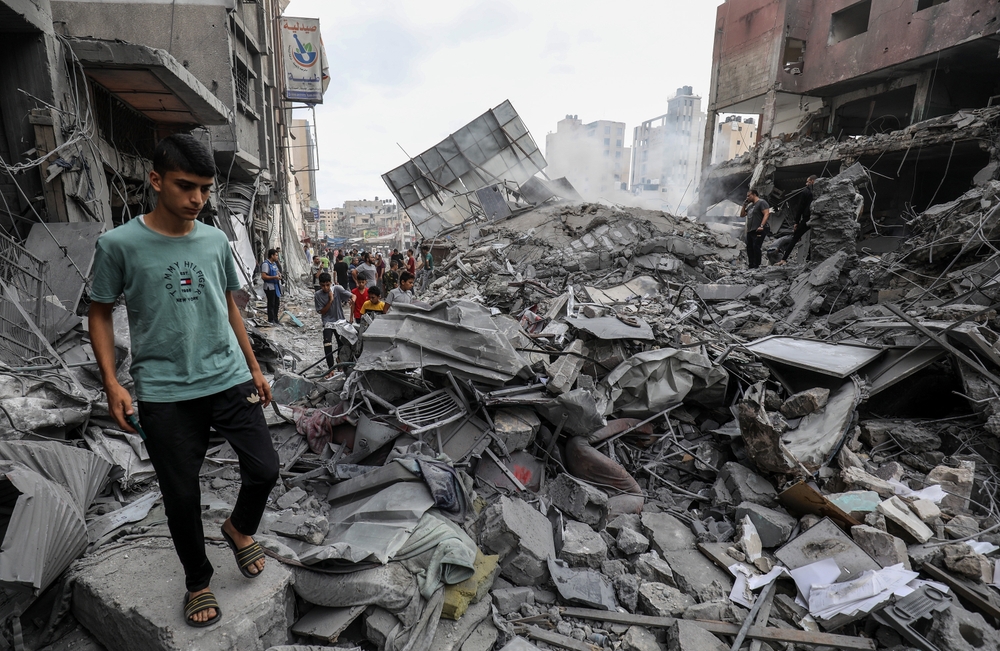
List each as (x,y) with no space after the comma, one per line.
(647,383)
(438,552)
(443,482)
(317,425)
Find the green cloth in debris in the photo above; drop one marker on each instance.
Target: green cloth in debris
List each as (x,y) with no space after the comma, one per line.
(438,552)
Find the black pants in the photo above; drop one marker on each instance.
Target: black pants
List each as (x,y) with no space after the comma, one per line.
(177,439)
(272,305)
(796,236)
(755,241)
(331,344)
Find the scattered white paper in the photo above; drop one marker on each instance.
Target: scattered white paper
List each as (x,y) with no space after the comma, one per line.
(747,581)
(741,593)
(983,548)
(870,589)
(821,572)
(934,492)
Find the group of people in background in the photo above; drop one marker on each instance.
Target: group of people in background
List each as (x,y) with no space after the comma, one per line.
(350,284)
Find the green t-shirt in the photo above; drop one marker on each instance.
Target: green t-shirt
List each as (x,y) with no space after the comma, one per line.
(175,291)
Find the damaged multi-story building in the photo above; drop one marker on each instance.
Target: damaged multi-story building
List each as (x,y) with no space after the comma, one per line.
(86,91)
(874,82)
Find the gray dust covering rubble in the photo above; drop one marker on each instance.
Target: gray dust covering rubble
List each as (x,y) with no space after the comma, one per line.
(594,428)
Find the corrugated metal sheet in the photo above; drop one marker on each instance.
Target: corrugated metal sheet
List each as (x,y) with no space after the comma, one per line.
(46,531)
(80,471)
(47,486)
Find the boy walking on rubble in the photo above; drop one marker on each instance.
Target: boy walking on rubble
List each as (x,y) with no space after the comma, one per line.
(193,365)
(329,301)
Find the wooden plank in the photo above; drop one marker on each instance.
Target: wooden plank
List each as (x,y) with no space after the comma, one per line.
(45,142)
(555,639)
(767,634)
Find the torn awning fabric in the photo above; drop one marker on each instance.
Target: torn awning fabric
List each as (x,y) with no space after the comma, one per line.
(650,382)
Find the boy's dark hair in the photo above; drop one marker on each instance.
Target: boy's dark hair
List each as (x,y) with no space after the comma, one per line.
(271,252)
(754,192)
(181,152)
(406,275)
(325,278)
(375,291)
(409,250)
(340,257)
(425,248)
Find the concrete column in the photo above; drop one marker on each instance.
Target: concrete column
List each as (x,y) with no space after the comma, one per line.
(768,115)
(921,96)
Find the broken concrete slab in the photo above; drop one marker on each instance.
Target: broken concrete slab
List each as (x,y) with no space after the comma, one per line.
(744,485)
(804,403)
(688,636)
(582,586)
(858,479)
(899,514)
(579,500)
(452,634)
(516,427)
(661,600)
(962,527)
(509,600)
(957,482)
(115,598)
(521,536)
(958,629)
(631,542)
(773,526)
(639,638)
(582,546)
(692,572)
(885,548)
(926,510)
(563,372)
(326,624)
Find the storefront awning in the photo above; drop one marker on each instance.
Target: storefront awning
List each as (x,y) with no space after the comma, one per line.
(151,81)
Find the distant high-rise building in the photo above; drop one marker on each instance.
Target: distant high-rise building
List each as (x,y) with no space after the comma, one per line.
(733,138)
(666,153)
(592,156)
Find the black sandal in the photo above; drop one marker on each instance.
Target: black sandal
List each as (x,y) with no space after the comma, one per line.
(195,605)
(245,557)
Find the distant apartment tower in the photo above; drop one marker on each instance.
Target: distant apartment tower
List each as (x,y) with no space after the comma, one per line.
(734,137)
(305,163)
(592,156)
(666,153)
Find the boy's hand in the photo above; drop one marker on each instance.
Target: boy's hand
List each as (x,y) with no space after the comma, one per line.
(263,388)
(120,406)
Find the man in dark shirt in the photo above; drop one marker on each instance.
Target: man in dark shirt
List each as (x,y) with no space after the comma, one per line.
(757,212)
(802,213)
(340,268)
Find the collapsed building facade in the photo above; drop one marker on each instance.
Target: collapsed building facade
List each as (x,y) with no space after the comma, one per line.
(843,75)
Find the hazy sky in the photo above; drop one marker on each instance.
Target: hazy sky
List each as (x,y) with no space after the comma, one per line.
(413,71)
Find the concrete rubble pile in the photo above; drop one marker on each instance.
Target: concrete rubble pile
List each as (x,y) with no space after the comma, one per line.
(596,429)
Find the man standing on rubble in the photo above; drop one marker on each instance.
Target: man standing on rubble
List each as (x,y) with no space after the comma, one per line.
(757,212)
(802,214)
(192,362)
